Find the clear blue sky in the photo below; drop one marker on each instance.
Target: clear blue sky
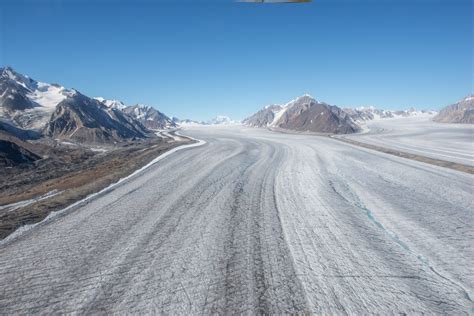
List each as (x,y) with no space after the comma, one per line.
(198,59)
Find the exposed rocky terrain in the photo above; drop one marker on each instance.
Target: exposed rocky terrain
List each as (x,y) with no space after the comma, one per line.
(150,117)
(304,114)
(264,117)
(460,112)
(86,120)
(12,154)
(12,94)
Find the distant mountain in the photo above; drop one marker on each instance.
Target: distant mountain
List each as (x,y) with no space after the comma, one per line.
(218,120)
(150,117)
(188,122)
(83,119)
(222,120)
(367,114)
(460,112)
(304,114)
(363,114)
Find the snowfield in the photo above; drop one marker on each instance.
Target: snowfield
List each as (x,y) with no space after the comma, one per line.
(255,222)
(421,136)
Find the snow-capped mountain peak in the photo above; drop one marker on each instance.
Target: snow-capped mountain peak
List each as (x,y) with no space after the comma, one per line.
(113,104)
(15,78)
(305,98)
(39,93)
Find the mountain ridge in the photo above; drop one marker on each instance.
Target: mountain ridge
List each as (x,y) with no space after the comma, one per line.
(31,107)
(459,112)
(84,119)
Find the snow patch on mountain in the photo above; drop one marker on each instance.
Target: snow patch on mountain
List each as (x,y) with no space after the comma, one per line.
(43,94)
(48,96)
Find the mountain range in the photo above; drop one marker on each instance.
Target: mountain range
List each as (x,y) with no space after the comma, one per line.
(307,114)
(30,107)
(362,114)
(35,113)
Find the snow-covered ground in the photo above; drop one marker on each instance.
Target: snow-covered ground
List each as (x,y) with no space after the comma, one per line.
(419,135)
(255,222)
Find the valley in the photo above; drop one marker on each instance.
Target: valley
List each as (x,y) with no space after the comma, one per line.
(236,157)
(255,222)
(303,207)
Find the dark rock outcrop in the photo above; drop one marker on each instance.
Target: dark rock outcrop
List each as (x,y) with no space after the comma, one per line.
(11,154)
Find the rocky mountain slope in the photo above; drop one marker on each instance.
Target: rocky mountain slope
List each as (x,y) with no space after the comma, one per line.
(150,117)
(15,150)
(84,119)
(460,112)
(264,117)
(11,154)
(304,114)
